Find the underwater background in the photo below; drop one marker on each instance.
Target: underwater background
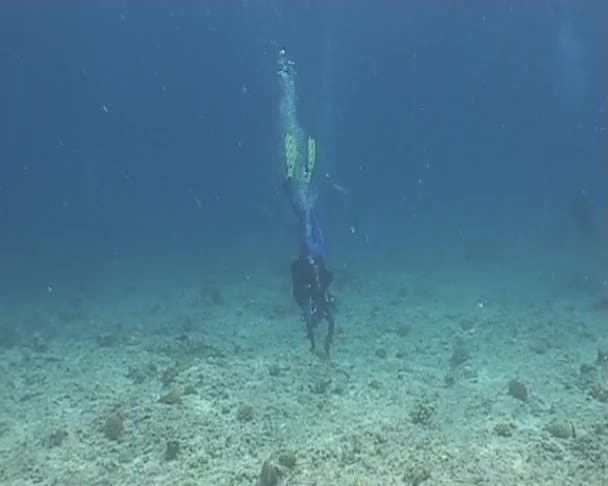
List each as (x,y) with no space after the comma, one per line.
(147,328)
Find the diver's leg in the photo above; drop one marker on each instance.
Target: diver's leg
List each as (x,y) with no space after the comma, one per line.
(331,324)
(317,243)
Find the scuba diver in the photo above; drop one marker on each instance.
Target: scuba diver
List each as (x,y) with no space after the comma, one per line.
(310,278)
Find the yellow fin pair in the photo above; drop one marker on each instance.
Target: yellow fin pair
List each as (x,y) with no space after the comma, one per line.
(291,156)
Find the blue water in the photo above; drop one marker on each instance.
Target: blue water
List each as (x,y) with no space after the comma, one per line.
(142,145)
(485,117)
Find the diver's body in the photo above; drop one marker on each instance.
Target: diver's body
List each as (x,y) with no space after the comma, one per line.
(310,278)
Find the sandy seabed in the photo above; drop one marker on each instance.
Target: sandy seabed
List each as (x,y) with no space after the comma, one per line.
(433,380)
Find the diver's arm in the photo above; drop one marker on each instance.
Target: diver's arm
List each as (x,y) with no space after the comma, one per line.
(310,325)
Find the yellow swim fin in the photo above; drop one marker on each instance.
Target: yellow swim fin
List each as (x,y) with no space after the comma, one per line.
(291,155)
(312,157)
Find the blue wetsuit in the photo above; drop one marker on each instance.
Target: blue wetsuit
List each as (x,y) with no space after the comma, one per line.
(311,236)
